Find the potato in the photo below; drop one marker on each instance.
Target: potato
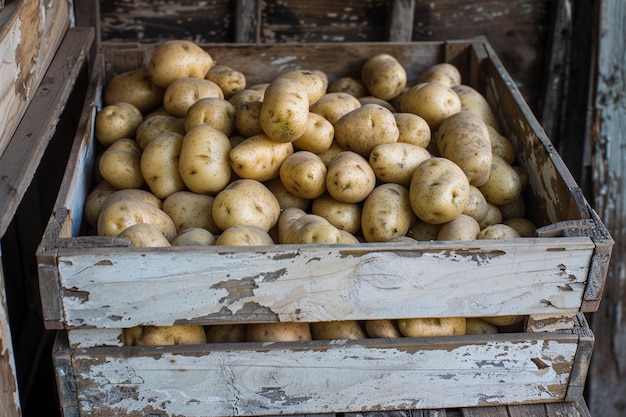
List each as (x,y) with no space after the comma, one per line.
(474,102)
(523,176)
(328,155)
(433,102)
(134,87)
(228,79)
(444,73)
(501,145)
(380,102)
(152,126)
(278,332)
(395,162)
(383,76)
(174,59)
(347,238)
(120,165)
(350,178)
(423,231)
(193,236)
(131,334)
(213,111)
(477,207)
(337,330)
(348,85)
(426,327)
(204,160)
(310,229)
(248,119)
(412,129)
(382,328)
(344,216)
(494,216)
(285,198)
(439,190)
(145,235)
(244,236)
(314,82)
(246,96)
(317,137)
(117,121)
(386,213)
(463,138)
(365,127)
(159,164)
(182,93)
(117,216)
(463,227)
(187,334)
(503,185)
(134,194)
(285,110)
(246,202)
(503,321)
(476,325)
(95,200)
(523,226)
(226,333)
(514,208)
(191,210)
(332,106)
(498,231)
(304,174)
(285,219)
(259,157)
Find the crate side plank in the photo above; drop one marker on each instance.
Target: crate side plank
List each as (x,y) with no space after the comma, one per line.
(322,283)
(333,376)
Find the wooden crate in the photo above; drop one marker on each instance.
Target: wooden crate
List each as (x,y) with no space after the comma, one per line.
(94,287)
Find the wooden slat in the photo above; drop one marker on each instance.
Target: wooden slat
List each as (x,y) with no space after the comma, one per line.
(9,395)
(247,21)
(401,20)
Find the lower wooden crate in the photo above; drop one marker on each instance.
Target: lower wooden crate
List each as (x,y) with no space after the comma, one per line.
(338,376)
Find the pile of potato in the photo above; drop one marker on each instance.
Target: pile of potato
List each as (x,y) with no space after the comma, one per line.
(194,156)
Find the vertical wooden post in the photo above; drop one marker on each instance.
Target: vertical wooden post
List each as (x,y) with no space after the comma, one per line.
(9,397)
(607,379)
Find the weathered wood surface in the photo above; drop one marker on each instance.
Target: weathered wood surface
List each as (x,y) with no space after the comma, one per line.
(30,33)
(607,382)
(9,395)
(329,376)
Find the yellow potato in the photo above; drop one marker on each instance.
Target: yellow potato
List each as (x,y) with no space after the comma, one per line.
(95,200)
(311,229)
(347,238)
(523,176)
(330,153)
(182,93)
(213,111)
(426,327)
(134,194)
(226,333)
(501,145)
(386,213)
(317,137)
(159,164)
(503,321)
(174,59)
(120,164)
(350,178)
(332,106)
(379,101)
(315,83)
(244,236)
(337,330)
(362,129)
(477,207)
(439,190)
(303,174)
(498,231)
(523,226)
(285,219)
(476,325)
(246,96)
(493,216)
(503,185)
(474,102)
(444,73)
(204,160)
(278,332)
(189,210)
(344,216)
(228,79)
(423,231)
(259,157)
(285,110)
(248,119)
(117,121)
(433,102)
(348,85)
(134,87)
(154,125)
(189,334)
(384,76)
(412,129)
(382,328)
(463,227)
(463,138)
(117,216)
(395,162)
(194,236)
(285,198)
(514,208)
(145,235)
(245,202)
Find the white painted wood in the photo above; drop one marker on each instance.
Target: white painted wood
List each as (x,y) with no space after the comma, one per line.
(82,338)
(9,392)
(334,376)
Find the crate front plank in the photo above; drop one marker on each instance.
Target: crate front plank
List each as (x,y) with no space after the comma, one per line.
(118,287)
(329,376)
